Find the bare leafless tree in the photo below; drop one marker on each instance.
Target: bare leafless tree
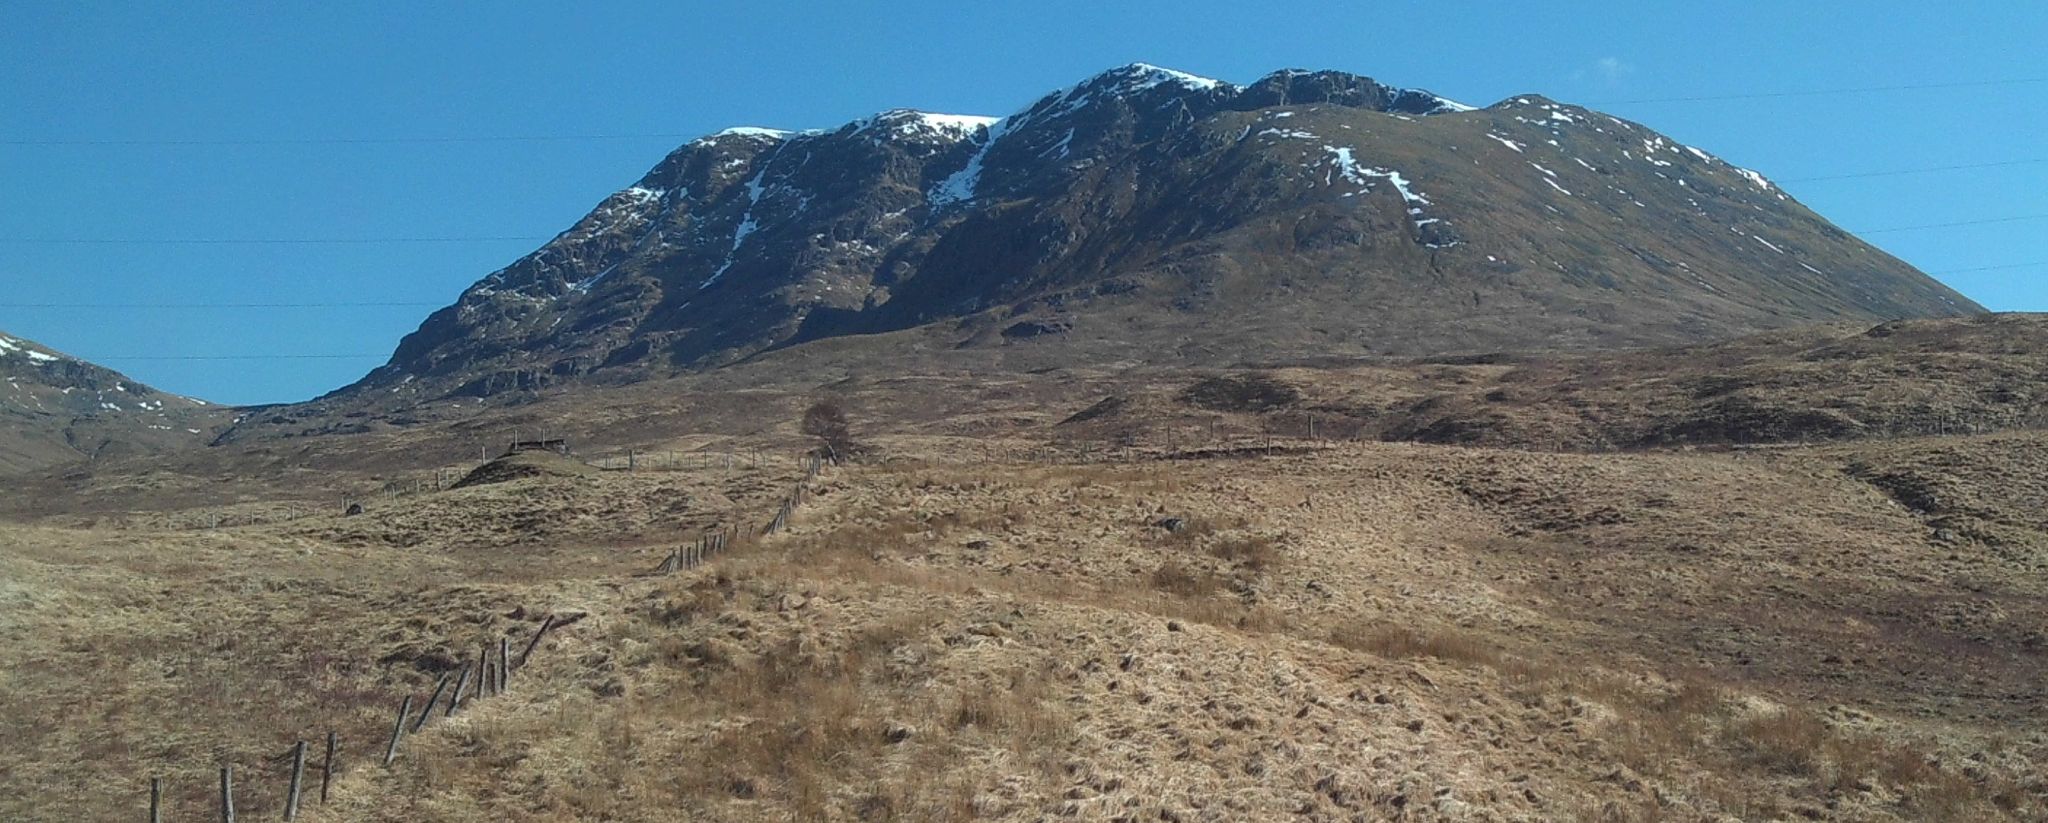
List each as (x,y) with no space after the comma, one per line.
(826,420)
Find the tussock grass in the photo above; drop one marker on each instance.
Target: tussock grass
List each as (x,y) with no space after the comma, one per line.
(939,641)
(1398,642)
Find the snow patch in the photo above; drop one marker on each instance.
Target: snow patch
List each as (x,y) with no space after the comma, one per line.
(746,226)
(959,186)
(1143,76)
(1448,103)
(10,345)
(746,131)
(1064,146)
(913,123)
(1362,175)
(1505,142)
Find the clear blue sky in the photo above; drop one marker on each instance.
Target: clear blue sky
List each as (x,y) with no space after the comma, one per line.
(269,72)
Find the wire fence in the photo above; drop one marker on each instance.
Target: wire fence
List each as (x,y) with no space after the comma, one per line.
(489,674)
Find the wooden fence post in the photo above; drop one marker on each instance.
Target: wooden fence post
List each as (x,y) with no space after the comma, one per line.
(397,730)
(483,672)
(227,794)
(291,794)
(327,768)
(439,686)
(530,644)
(461,684)
(156,800)
(504,662)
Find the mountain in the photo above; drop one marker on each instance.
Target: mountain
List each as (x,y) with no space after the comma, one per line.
(1153,216)
(56,408)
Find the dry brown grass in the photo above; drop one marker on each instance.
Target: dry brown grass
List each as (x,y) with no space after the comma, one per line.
(1398,642)
(1175,578)
(1468,632)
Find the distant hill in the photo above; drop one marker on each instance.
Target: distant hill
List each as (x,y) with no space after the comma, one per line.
(1146,215)
(1816,384)
(55,409)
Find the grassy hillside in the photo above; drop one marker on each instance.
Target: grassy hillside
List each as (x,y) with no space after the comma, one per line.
(1334,630)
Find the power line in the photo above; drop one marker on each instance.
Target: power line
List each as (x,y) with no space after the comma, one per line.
(145,241)
(267,241)
(613,136)
(245,357)
(2003,267)
(1985,222)
(1707,98)
(438,304)
(364,305)
(358,141)
(2034,264)
(1923,170)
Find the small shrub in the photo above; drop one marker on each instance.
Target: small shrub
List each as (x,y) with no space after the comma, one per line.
(1252,552)
(1174,577)
(1785,742)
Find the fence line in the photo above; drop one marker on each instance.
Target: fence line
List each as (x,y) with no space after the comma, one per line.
(713,543)
(672,460)
(489,674)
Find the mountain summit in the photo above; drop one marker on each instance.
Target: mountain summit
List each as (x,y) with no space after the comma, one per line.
(1151,215)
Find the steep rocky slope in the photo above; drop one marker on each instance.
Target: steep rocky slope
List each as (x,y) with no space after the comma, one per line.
(1155,216)
(56,409)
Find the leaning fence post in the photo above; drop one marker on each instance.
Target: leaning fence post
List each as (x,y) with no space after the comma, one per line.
(397,730)
(535,641)
(327,768)
(291,794)
(156,800)
(461,684)
(439,686)
(227,794)
(483,673)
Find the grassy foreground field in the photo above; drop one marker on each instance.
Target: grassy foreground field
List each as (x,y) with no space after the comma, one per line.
(1334,631)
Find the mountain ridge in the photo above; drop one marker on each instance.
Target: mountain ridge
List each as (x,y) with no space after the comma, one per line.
(1153,193)
(57,408)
